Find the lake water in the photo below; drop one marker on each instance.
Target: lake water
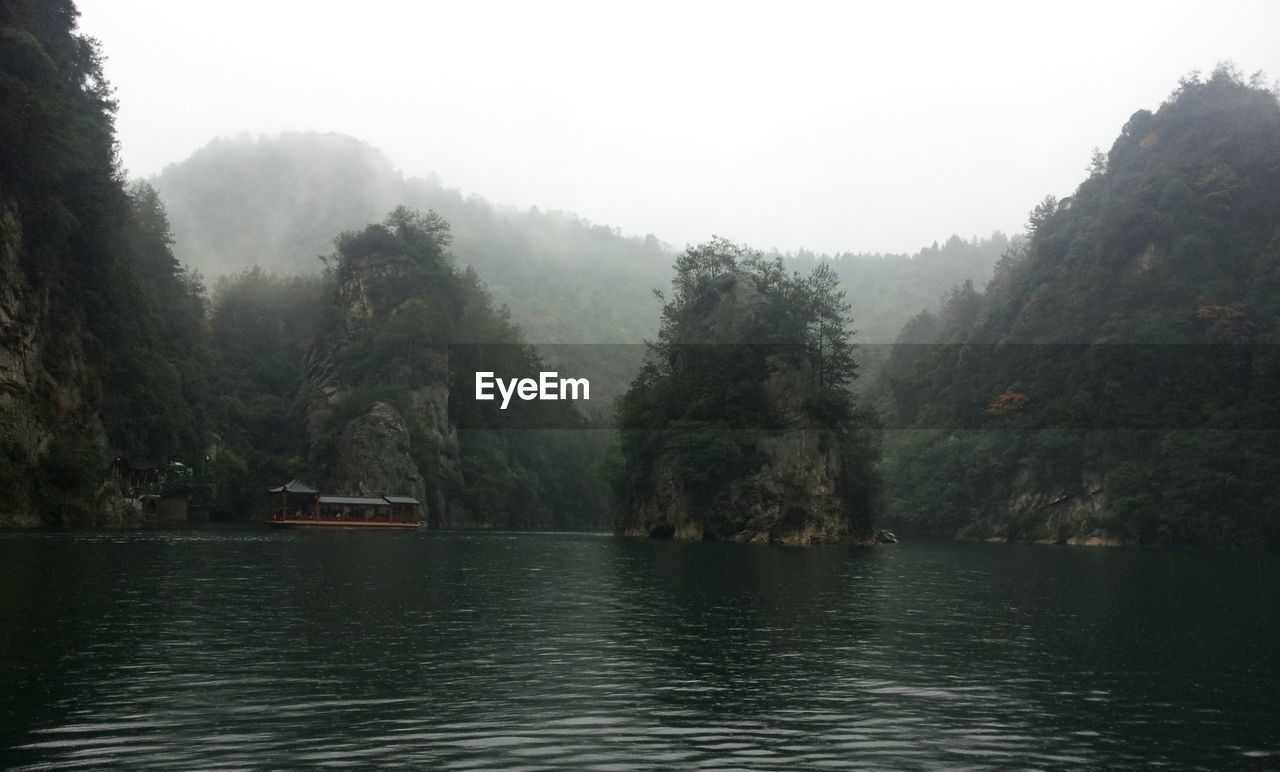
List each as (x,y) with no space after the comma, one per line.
(233,647)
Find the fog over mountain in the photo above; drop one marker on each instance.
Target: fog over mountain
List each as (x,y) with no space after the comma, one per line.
(830,127)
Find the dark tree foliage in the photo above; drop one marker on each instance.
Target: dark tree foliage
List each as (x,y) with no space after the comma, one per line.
(157,396)
(1174,238)
(263,328)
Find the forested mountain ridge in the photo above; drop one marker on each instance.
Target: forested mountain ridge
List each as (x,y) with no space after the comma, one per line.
(1160,432)
(1181,216)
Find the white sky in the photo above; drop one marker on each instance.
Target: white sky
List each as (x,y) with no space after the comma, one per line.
(830,126)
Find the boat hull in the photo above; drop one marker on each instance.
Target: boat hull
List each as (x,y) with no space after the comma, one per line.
(353,524)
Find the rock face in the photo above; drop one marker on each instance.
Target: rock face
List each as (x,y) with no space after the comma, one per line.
(1074,516)
(17,317)
(112,507)
(373,455)
(794,497)
(45,387)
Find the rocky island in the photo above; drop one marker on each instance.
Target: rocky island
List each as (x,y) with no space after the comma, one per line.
(741,425)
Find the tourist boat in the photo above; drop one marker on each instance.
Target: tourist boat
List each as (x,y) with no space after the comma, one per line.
(302,506)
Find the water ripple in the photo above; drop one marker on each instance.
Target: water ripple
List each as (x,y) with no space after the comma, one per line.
(233,648)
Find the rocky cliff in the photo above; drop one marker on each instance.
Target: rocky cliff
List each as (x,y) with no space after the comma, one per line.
(792,497)
(1075,515)
(24,436)
(399,441)
(45,387)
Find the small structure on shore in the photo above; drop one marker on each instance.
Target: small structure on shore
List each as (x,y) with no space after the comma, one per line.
(302,505)
(160,493)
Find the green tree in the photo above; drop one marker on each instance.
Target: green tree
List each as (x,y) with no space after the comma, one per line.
(829,336)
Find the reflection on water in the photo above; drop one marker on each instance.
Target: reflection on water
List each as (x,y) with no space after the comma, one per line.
(238,647)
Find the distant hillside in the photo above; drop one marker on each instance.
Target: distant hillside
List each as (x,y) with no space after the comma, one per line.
(278,202)
(887,290)
(1172,242)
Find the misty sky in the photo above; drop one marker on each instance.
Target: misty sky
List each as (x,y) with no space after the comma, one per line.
(829,126)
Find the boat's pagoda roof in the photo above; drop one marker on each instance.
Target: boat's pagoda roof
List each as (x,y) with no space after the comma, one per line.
(295,486)
(355,501)
(299,487)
